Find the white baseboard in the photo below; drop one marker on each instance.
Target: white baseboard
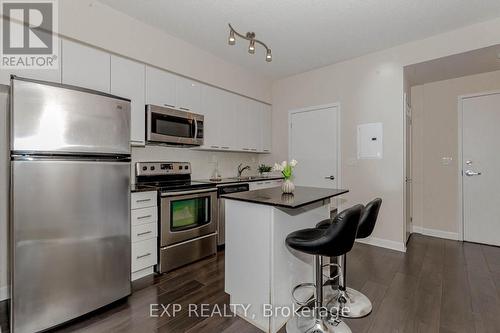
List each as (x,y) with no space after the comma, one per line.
(4,293)
(435,233)
(385,243)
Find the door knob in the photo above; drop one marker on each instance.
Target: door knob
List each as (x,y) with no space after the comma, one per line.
(471,173)
(330,177)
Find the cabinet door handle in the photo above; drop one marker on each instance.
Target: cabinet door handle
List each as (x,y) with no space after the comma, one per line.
(225,147)
(144,217)
(185,109)
(144,233)
(144,255)
(214,146)
(168,105)
(142,200)
(246,149)
(253,149)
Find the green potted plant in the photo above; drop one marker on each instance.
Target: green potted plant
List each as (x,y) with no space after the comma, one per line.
(264,170)
(286,169)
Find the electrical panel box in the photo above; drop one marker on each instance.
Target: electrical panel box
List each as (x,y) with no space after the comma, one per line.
(370,141)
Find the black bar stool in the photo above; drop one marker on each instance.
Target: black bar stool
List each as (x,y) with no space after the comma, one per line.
(333,241)
(350,302)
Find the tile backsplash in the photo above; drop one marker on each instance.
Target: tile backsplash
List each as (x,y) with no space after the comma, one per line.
(202,162)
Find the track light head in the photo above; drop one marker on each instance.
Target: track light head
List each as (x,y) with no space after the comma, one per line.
(231,39)
(251,47)
(269,56)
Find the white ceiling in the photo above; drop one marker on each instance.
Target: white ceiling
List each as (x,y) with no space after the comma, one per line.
(305,34)
(468,63)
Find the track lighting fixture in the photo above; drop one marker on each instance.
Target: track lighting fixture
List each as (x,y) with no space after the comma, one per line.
(250,36)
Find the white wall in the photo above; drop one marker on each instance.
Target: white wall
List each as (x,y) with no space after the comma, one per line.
(434,105)
(370,89)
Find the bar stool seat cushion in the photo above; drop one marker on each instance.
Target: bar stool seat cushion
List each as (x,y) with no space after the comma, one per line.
(333,241)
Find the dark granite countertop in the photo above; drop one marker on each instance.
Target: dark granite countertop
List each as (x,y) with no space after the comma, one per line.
(242,180)
(302,196)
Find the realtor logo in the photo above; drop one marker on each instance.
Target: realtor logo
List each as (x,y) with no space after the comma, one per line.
(29,38)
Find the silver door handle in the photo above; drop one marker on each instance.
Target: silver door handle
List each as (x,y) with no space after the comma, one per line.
(470,173)
(166,194)
(144,233)
(143,256)
(330,177)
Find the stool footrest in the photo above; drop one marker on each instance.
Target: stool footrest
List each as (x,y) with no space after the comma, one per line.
(299,286)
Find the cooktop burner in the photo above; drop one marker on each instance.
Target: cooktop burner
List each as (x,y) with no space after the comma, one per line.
(167,176)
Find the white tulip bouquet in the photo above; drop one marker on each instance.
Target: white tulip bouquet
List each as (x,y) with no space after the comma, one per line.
(285,168)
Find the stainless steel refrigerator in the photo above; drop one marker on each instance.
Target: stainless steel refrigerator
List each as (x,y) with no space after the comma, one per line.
(70,202)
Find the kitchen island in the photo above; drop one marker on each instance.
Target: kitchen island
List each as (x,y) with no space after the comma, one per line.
(260,270)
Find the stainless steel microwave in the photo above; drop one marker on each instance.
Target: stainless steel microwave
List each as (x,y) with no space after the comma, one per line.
(173,127)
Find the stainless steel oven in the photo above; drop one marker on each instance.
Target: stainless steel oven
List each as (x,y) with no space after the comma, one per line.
(173,127)
(188,227)
(187,214)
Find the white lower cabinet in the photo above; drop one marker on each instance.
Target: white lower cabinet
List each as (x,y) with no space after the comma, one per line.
(144,237)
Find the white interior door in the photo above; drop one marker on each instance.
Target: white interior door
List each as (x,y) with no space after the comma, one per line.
(314,144)
(408,172)
(481,165)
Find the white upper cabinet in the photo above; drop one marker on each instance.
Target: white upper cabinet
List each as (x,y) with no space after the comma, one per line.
(230,125)
(212,104)
(128,80)
(160,87)
(235,123)
(266,128)
(249,133)
(85,66)
(188,94)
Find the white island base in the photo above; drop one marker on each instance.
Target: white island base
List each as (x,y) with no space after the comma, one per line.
(260,270)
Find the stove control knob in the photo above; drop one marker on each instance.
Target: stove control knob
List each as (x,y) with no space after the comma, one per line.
(144,168)
(180,167)
(152,168)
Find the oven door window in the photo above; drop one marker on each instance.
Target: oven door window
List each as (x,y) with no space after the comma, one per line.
(189,213)
(172,126)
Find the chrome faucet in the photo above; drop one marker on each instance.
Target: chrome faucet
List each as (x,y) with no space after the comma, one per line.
(241,169)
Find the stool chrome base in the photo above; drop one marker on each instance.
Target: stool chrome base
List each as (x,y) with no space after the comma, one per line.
(308,324)
(355,304)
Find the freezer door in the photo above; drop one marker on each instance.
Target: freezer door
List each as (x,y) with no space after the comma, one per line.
(57,118)
(71,239)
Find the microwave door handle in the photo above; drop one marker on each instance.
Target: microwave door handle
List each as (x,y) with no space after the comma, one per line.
(195,129)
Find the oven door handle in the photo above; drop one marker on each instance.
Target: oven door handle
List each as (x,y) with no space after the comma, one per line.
(168,194)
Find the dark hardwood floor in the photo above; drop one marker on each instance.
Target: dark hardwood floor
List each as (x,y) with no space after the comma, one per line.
(437,286)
